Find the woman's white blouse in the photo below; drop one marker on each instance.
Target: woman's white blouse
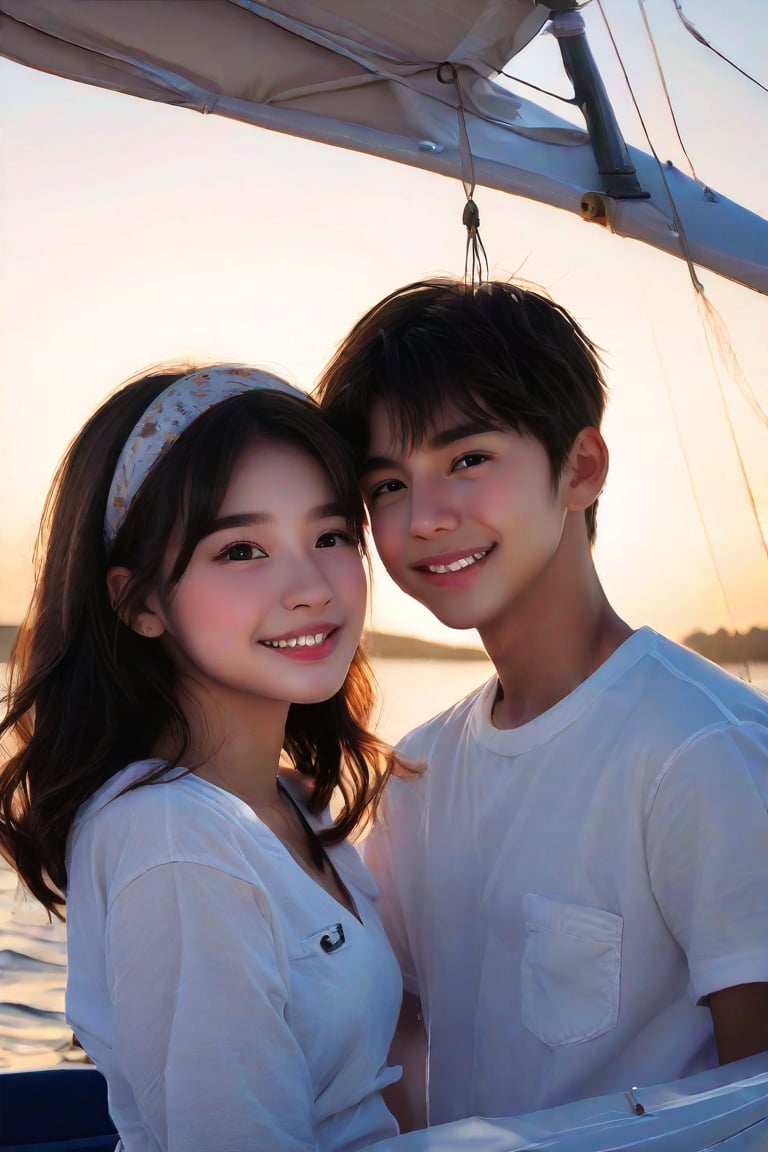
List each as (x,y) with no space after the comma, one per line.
(209,982)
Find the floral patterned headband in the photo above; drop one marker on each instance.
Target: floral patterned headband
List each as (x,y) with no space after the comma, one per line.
(170,414)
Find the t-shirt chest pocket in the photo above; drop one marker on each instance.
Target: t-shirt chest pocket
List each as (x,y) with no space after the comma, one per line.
(571,970)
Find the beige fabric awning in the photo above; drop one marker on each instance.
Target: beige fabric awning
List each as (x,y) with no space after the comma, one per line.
(366,75)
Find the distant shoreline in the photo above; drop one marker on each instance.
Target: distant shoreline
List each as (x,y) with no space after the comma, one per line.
(379,645)
(722,647)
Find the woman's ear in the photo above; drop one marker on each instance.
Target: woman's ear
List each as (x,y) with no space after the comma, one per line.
(145,622)
(586,470)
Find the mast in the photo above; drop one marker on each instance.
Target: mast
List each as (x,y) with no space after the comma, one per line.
(608,145)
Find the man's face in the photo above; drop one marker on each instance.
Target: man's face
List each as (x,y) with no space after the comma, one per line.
(466,521)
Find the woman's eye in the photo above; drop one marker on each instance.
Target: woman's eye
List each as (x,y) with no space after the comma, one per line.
(242,551)
(334,539)
(385,488)
(469,460)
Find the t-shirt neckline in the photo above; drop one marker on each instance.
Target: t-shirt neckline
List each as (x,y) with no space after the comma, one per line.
(513,741)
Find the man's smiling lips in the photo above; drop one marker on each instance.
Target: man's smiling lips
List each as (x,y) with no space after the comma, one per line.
(452,563)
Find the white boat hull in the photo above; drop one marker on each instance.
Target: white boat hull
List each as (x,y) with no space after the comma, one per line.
(724,1109)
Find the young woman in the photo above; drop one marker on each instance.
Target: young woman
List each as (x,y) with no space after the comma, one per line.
(187,692)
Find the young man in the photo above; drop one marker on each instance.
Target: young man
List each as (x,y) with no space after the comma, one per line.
(577,882)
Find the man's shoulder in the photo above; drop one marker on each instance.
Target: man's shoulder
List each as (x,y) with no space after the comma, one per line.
(682,673)
(674,707)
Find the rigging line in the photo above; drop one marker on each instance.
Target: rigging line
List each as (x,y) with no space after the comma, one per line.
(680,230)
(712,319)
(710,311)
(695,494)
(528,84)
(662,77)
(691,27)
(715,324)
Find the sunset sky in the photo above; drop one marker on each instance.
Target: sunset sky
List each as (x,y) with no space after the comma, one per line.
(133,233)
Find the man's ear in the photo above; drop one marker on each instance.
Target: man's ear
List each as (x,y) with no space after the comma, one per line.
(146,622)
(586,470)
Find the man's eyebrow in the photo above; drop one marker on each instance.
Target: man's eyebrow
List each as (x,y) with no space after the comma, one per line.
(256,519)
(461,432)
(439,439)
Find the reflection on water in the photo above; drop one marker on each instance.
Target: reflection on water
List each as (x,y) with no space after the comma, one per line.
(33,1032)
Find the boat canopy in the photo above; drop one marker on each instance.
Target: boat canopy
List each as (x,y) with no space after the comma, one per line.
(414,81)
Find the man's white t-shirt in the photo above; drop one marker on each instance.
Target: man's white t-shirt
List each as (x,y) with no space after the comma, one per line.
(563,896)
(232,1003)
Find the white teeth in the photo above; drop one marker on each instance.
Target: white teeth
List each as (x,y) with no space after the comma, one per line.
(298,641)
(465,562)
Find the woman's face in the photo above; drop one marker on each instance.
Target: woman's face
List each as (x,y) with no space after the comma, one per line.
(272,603)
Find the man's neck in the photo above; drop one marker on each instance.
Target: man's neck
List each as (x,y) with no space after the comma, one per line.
(543,651)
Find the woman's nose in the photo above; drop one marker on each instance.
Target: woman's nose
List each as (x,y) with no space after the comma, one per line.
(306,586)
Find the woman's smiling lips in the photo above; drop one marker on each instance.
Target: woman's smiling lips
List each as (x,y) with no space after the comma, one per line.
(452,567)
(312,642)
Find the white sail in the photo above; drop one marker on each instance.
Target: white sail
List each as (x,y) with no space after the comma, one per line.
(365,75)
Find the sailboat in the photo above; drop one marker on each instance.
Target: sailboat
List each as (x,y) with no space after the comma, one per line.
(417,82)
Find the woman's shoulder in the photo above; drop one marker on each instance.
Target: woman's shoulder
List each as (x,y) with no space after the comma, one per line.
(149,815)
(139,788)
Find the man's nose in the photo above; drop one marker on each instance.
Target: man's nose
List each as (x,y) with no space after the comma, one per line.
(432,511)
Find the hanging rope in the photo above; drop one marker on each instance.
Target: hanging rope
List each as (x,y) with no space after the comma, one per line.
(475,256)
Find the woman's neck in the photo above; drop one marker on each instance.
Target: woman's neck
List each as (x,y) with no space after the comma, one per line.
(234,743)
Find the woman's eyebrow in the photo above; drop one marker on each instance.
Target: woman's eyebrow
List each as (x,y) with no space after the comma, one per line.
(255,519)
(374,463)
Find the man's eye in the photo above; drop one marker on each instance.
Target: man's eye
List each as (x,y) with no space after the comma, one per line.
(242,551)
(469,460)
(385,488)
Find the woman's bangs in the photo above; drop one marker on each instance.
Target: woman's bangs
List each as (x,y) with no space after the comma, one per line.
(214,445)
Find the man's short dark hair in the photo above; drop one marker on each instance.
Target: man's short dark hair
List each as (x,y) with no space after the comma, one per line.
(501,351)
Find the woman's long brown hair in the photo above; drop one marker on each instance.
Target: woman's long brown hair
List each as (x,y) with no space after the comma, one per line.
(87,695)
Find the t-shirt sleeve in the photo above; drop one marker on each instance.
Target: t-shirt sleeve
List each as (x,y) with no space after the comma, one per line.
(389,839)
(707,850)
(200,996)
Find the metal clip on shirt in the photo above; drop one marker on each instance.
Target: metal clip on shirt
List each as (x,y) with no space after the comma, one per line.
(333,939)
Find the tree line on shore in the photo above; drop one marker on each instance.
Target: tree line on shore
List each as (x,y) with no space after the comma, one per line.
(731,647)
(721,646)
(377,644)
